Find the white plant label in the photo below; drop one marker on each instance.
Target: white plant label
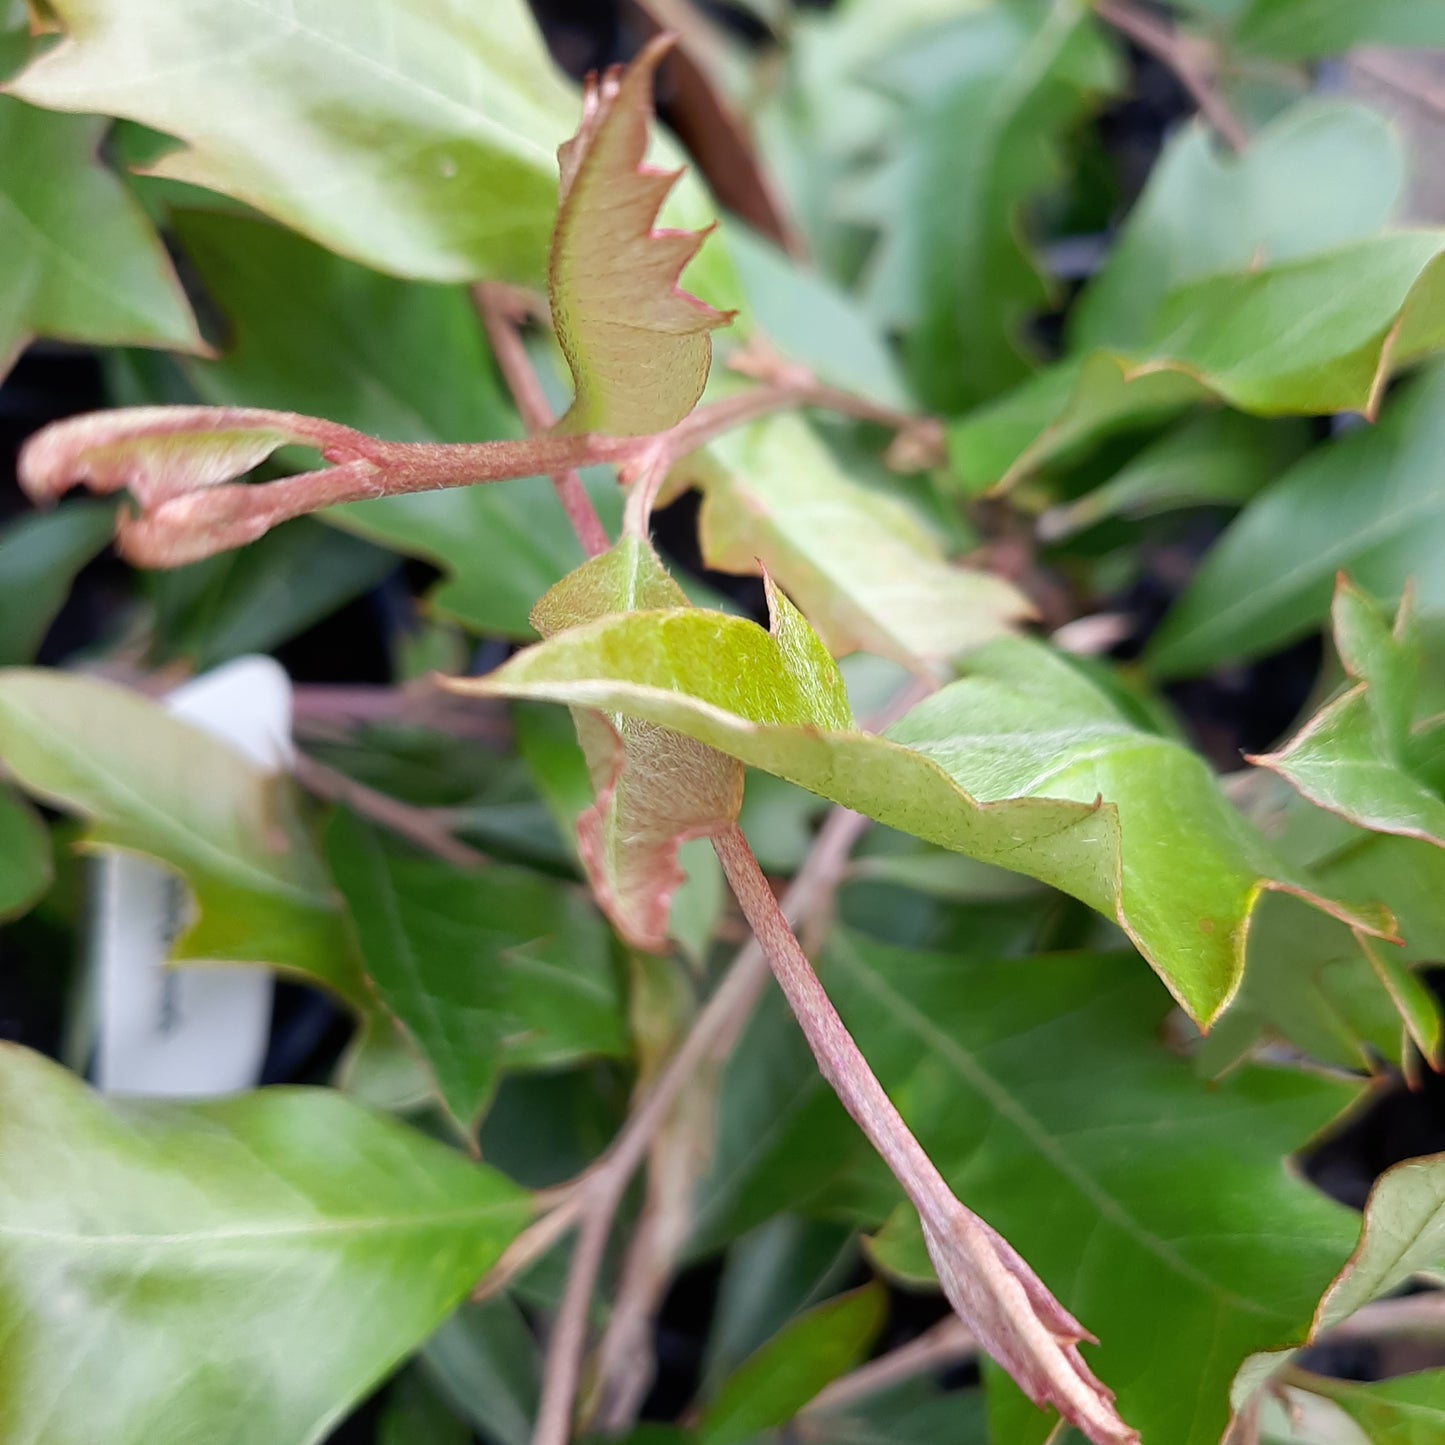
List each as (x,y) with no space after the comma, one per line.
(193,1031)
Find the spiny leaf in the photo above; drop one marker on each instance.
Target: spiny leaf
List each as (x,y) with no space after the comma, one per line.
(638,346)
(1023,764)
(81,261)
(485,972)
(245,1270)
(153,785)
(1353,756)
(861,565)
(654,788)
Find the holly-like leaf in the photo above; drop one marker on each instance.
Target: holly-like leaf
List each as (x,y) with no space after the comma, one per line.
(1302,337)
(245,1269)
(1354,756)
(654,788)
(860,563)
(485,972)
(638,346)
(1371,504)
(82,263)
(1406,1411)
(151,784)
(1023,763)
(771,1386)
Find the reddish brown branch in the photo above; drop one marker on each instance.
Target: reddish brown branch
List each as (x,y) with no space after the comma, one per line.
(1192,61)
(502,315)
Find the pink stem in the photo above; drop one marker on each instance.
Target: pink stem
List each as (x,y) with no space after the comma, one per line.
(537,417)
(839,1058)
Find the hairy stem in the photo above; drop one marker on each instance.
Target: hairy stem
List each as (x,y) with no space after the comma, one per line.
(600,1191)
(840,1060)
(501,316)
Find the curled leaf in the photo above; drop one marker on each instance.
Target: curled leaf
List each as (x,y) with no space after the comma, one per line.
(1022,763)
(654,788)
(178,462)
(638,346)
(173,461)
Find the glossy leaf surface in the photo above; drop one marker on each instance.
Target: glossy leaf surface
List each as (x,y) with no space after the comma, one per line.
(81,261)
(246,1269)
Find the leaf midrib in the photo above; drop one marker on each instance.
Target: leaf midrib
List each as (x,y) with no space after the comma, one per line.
(1034,1131)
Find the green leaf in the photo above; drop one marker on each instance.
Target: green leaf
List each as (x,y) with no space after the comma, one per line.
(638,346)
(485,972)
(81,261)
(40,555)
(287,112)
(485,1360)
(1302,337)
(245,1269)
(787,1265)
(1008,765)
(1407,1411)
(1218,459)
(916,1412)
(416,1415)
(859,562)
(257,597)
(1132,1187)
(153,785)
(1305,29)
(1321,175)
(770,1387)
(654,788)
(25,865)
(421,141)
(1013,78)
(1371,504)
(404,362)
(1353,757)
(1403,1232)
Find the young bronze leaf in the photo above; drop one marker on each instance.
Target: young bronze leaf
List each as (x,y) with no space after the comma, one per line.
(637,345)
(654,788)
